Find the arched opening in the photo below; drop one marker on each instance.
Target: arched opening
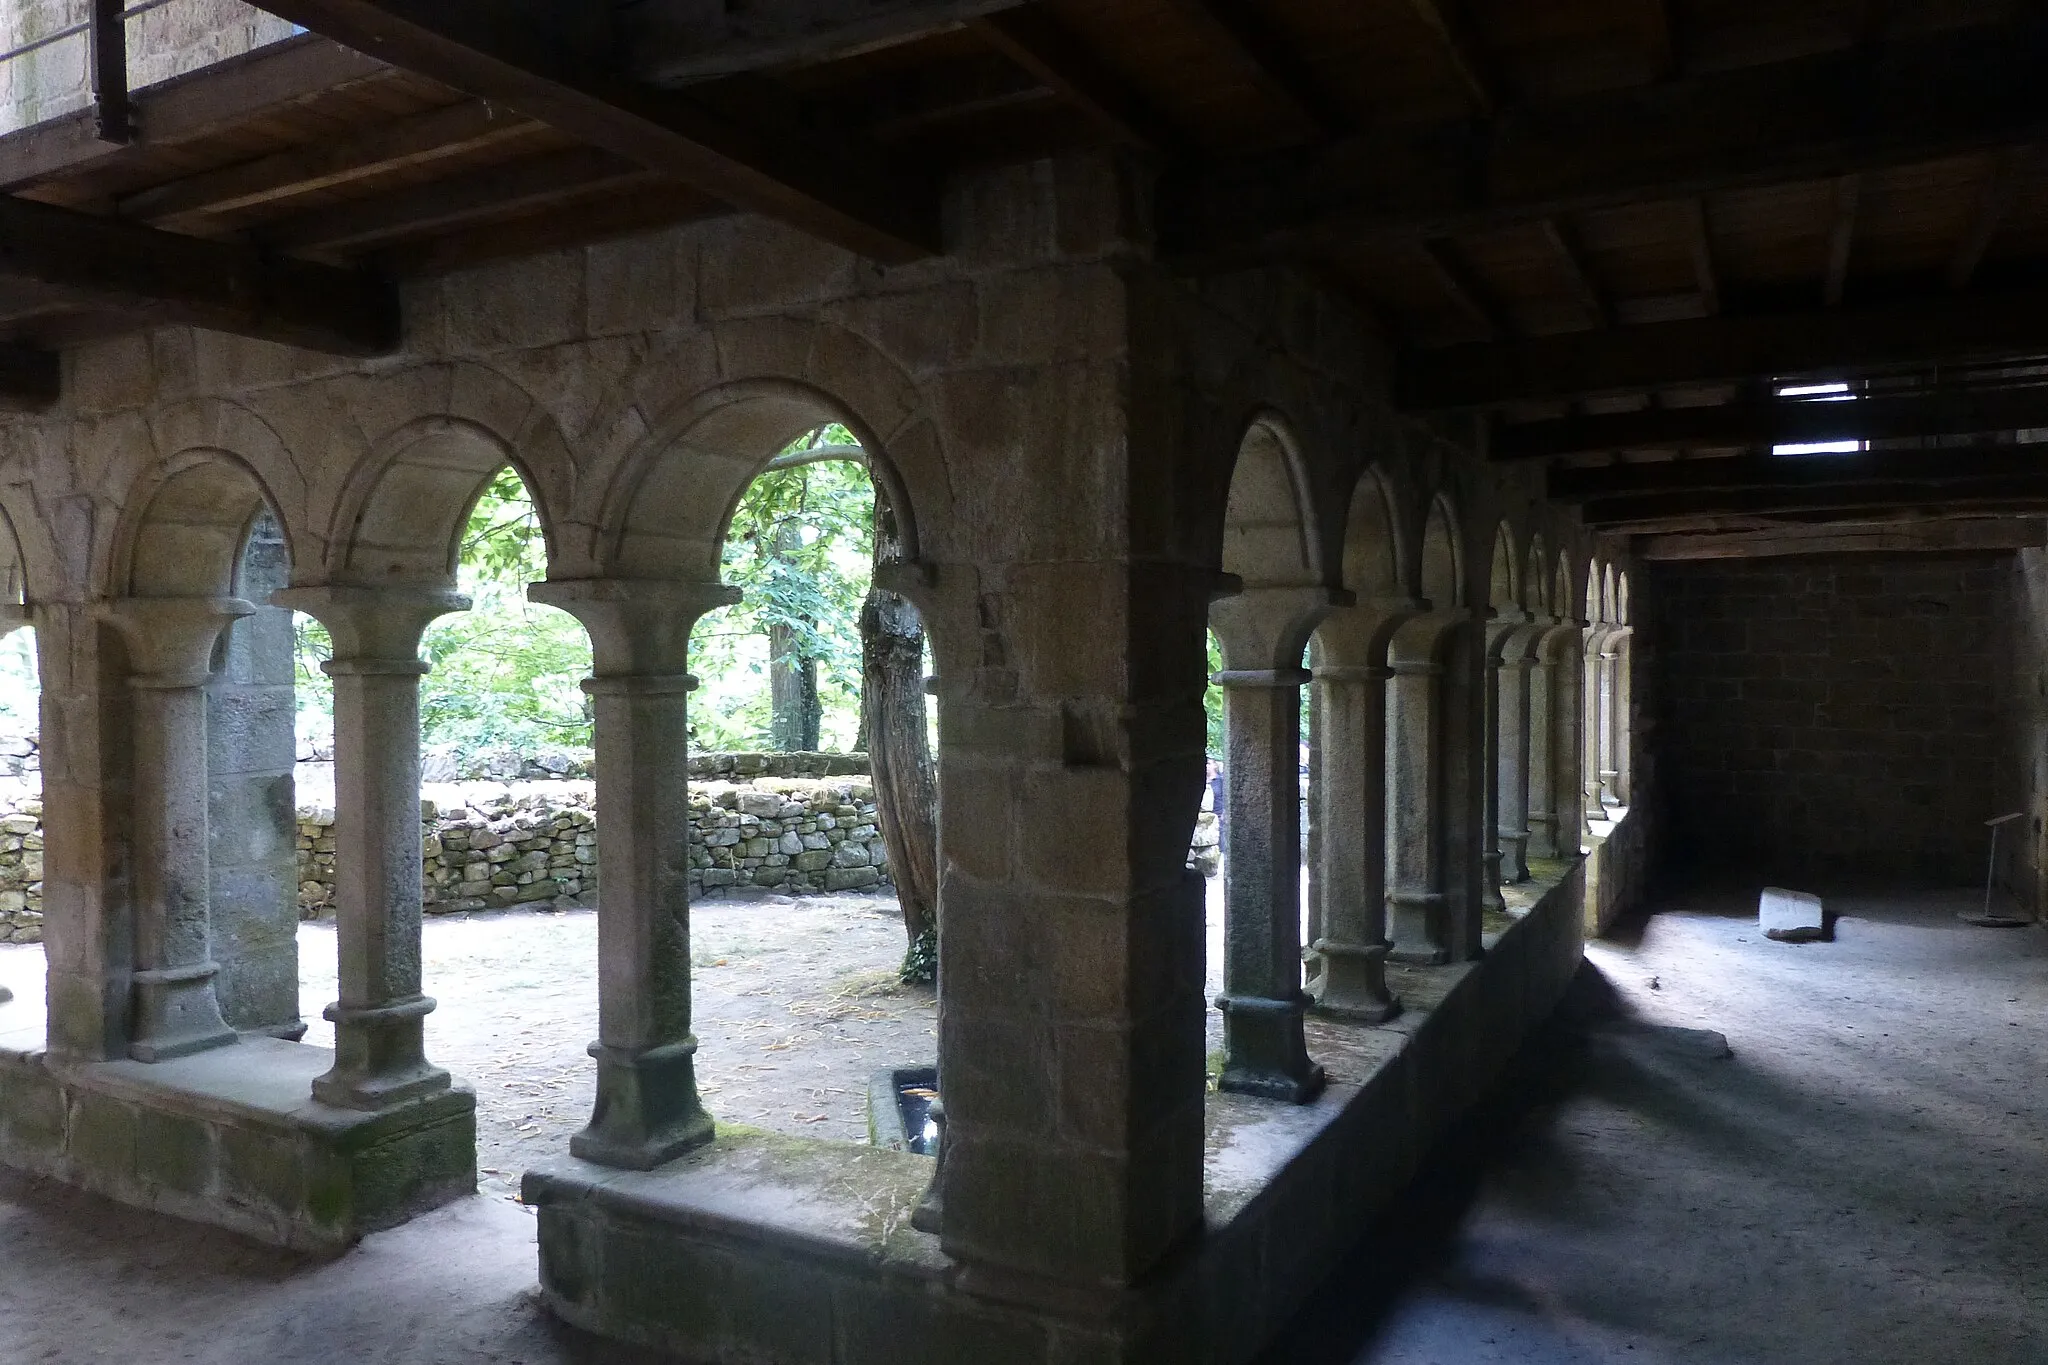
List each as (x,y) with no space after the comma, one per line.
(210,717)
(23,965)
(1262,629)
(1510,636)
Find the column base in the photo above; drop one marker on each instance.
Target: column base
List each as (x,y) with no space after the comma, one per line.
(1264,1051)
(1415,923)
(176,1013)
(647,1110)
(1609,795)
(1542,835)
(1354,983)
(379,1056)
(930,1213)
(1489,882)
(1514,855)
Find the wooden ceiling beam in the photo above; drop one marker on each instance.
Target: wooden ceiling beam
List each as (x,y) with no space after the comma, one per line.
(1927,330)
(1264,59)
(1056,59)
(1975,533)
(413,140)
(1932,469)
(682,42)
(243,89)
(1451,23)
(1993,201)
(1841,239)
(168,278)
(1956,412)
(1983,495)
(1812,118)
(1565,245)
(547,59)
(1699,251)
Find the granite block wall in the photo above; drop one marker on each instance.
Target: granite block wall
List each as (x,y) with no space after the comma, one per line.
(1833,721)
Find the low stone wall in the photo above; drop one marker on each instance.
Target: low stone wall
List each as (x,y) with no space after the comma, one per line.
(489,846)
(21,869)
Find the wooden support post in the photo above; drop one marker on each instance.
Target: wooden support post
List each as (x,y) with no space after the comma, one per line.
(113,119)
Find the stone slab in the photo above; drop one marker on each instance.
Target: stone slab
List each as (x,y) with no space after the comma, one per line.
(233,1137)
(1791,916)
(759,1248)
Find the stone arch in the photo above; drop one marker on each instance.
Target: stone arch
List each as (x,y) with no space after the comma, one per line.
(1504,587)
(1442,569)
(184,530)
(402,516)
(1372,539)
(1621,603)
(1561,586)
(1269,530)
(1607,611)
(672,501)
(1596,607)
(1537,592)
(14,589)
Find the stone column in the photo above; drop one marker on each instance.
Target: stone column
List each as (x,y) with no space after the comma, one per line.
(1417,919)
(647,1110)
(379,1021)
(1609,795)
(1352,848)
(1489,780)
(173,1011)
(12,618)
(1543,729)
(1264,1051)
(1624,716)
(1512,759)
(1590,808)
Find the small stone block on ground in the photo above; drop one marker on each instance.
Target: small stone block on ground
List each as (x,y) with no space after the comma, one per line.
(1791,916)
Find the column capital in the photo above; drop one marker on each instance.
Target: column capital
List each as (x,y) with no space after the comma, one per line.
(13,616)
(372,622)
(638,627)
(170,639)
(1269,624)
(1256,678)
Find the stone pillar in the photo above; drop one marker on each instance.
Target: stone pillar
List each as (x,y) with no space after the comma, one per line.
(1264,1051)
(379,1046)
(1351,851)
(1543,731)
(1624,716)
(1417,919)
(12,618)
(1489,780)
(173,1011)
(1590,808)
(1609,795)
(1512,760)
(647,1110)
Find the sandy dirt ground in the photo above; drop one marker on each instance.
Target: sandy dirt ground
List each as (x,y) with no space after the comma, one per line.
(1853,1177)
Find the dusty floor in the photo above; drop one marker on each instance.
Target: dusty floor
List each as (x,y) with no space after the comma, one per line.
(1858,1182)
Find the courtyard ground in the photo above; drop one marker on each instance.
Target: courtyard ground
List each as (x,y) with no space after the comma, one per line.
(1857,1182)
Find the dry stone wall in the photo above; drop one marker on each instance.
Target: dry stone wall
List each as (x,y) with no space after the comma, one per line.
(21,869)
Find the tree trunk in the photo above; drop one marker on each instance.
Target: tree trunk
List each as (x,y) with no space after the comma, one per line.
(893,713)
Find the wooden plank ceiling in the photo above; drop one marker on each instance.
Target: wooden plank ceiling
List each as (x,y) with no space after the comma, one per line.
(1619,229)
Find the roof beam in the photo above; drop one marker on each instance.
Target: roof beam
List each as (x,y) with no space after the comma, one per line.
(1980,533)
(1452,24)
(1057,60)
(546,60)
(168,278)
(1913,331)
(1841,239)
(190,107)
(512,187)
(1699,251)
(1993,200)
(1988,494)
(1265,61)
(413,140)
(1954,412)
(1815,117)
(1564,243)
(679,42)
(1928,468)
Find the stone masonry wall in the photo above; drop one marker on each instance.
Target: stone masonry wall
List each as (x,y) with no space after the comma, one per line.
(1832,720)
(21,868)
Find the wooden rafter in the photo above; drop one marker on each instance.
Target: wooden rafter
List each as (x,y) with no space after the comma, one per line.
(547,62)
(1452,24)
(1841,238)
(1989,494)
(1816,117)
(1993,201)
(1564,243)
(1264,59)
(1963,412)
(681,42)
(1058,60)
(1976,533)
(169,278)
(1926,330)
(1932,469)
(413,140)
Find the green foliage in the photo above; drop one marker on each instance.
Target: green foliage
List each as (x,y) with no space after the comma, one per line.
(800,549)
(921,960)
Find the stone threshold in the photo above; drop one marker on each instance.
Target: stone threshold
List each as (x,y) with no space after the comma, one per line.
(761,1248)
(233,1137)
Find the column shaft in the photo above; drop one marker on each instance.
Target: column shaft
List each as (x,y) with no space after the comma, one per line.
(1416,908)
(1542,796)
(1512,786)
(1489,782)
(1351,849)
(1265,1052)
(1607,774)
